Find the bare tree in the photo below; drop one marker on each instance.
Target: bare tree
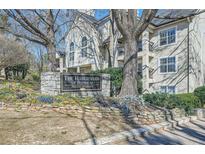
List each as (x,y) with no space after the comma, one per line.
(45,27)
(11,53)
(131,27)
(40,60)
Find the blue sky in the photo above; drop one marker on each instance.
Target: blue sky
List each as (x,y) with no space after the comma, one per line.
(100,13)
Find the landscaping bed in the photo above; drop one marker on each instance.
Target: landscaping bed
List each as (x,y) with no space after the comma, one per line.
(27,117)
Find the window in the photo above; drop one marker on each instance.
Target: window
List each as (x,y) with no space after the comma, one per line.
(84,47)
(71,55)
(168,64)
(64,62)
(139,70)
(168,89)
(163,89)
(139,45)
(58,63)
(167,36)
(72,46)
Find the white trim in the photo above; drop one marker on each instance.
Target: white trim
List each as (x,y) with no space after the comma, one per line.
(176,66)
(165,29)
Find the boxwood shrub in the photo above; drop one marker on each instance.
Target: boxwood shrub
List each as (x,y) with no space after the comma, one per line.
(200,93)
(184,101)
(188,102)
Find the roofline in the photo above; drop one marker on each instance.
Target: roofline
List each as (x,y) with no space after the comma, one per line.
(168,23)
(104,18)
(177,20)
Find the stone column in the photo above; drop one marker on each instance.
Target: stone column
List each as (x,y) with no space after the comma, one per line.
(145,72)
(200,113)
(145,41)
(61,64)
(106,85)
(2,72)
(78,69)
(50,83)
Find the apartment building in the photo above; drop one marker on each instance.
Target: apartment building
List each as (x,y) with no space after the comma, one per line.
(171,54)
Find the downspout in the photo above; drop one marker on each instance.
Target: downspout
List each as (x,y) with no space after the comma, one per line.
(188,56)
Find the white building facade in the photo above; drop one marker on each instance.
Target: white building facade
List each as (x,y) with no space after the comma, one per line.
(167,50)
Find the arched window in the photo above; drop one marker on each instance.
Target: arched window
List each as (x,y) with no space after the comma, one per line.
(84,47)
(71,46)
(84,41)
(71,55)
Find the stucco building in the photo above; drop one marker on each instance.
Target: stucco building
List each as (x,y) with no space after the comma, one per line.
(167,49)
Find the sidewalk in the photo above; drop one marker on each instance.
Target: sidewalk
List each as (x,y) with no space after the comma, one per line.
(191,133)
(144,130)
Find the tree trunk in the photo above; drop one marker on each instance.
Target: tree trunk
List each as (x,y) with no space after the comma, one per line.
(51,43)
(6,73)
(129,84)
(52,58)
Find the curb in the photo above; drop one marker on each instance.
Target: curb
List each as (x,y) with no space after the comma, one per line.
(144,130)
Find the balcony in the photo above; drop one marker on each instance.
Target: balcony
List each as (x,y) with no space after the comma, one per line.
(142,51)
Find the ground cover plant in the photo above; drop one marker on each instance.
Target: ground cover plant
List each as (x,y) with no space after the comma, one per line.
(24,92)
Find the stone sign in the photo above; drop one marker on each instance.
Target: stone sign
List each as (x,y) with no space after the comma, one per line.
(54,83)
(75,82)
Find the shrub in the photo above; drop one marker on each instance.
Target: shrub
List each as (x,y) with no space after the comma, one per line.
(200,93)
(183,101)
(35,77)
(158,99)
(188,102)
(116,75)
(17,72)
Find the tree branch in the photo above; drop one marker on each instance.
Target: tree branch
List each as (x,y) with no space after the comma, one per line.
(145,20)
(42,18)
(121,27)
(13,16)
(41,34)
(23,36)
(56,15)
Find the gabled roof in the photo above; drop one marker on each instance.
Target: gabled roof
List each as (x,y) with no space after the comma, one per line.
(87,17)
(171,13)
(92,19)
(60,53)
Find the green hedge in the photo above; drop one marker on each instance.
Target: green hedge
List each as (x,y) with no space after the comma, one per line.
(188,101)
(184,101)
(116,76)
(200,93)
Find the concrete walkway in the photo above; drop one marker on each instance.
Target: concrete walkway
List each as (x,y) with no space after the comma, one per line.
(189,133)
